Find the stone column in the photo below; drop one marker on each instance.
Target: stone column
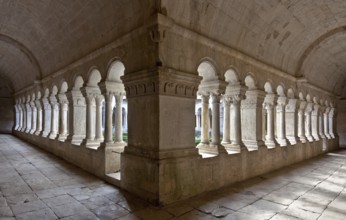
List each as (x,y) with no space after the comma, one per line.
(119,119)
(108,118)
(326,122)
(251,119)
(77,116)
(54,118)
(16,125)
(280,121)
(89,140)
(28,117)
(236,122)
(20,117)
(99,136)
(63,102)
(308,111)
(39,117)
(226,121)
(33,117)
(270,137)
(301,119)
(331,122)
(315,122)
(291,120)
(24,117)
(205,120)
(321,122)
(46,117)
(269,107)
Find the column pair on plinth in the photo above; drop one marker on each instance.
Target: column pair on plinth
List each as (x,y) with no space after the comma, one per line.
(291,120)
(308,130)
(63,126)
(232,118)
(215,146)
(269,107)
(54,116)
(94,101)
(39,119)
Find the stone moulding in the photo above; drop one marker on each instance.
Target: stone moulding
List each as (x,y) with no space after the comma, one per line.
(161,82)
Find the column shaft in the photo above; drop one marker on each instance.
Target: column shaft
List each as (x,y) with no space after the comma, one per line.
(205,120)
(226,121)
(118,119)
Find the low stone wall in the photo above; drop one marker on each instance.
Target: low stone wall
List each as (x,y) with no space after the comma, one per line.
(180,178)
(91,160)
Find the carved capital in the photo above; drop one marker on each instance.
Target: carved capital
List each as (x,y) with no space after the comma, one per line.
(161,82)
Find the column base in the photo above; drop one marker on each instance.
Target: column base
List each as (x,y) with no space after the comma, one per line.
(91,144)
(235,148)
(27,131)
(53,135)
(292,140)
(45,133)
(310,139)
(282,142)
(211,149)
(38,133)
(302,139)
(252,145)
(32,131)
(328,136)
(271,144)
(316,137)
(61,137)
(75,139)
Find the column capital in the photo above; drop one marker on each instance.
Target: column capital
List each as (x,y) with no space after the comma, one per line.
(161,81)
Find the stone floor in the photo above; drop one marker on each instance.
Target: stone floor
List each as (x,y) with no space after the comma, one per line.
(37,185)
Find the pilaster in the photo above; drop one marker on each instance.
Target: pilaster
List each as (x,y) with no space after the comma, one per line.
(161,124)
(251,119)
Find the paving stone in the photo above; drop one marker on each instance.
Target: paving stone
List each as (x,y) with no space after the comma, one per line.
(59,200)
(28,207)
(110,212)
(45,214)
(5,211)
(70,209)
(22,198)
(300,213)
(178,209)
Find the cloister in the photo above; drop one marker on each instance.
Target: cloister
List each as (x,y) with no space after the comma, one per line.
(169,100)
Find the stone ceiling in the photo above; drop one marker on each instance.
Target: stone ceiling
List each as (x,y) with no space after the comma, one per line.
(303,38)
(39,37)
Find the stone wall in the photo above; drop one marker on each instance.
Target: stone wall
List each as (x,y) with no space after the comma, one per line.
(6,115)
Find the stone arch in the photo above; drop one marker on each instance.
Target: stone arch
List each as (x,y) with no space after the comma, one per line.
(290,93)
(63,87)
(33,96)
(38,95)
(315,100)
(54,90)
(301,96)
(115,70)
(207,70)
(232,77)
(280,91)
(268,88)
(78,82)
(308,98)
(250,82)
(94,77)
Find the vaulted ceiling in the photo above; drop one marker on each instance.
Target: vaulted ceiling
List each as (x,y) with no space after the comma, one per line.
(303,38)
(38,37)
